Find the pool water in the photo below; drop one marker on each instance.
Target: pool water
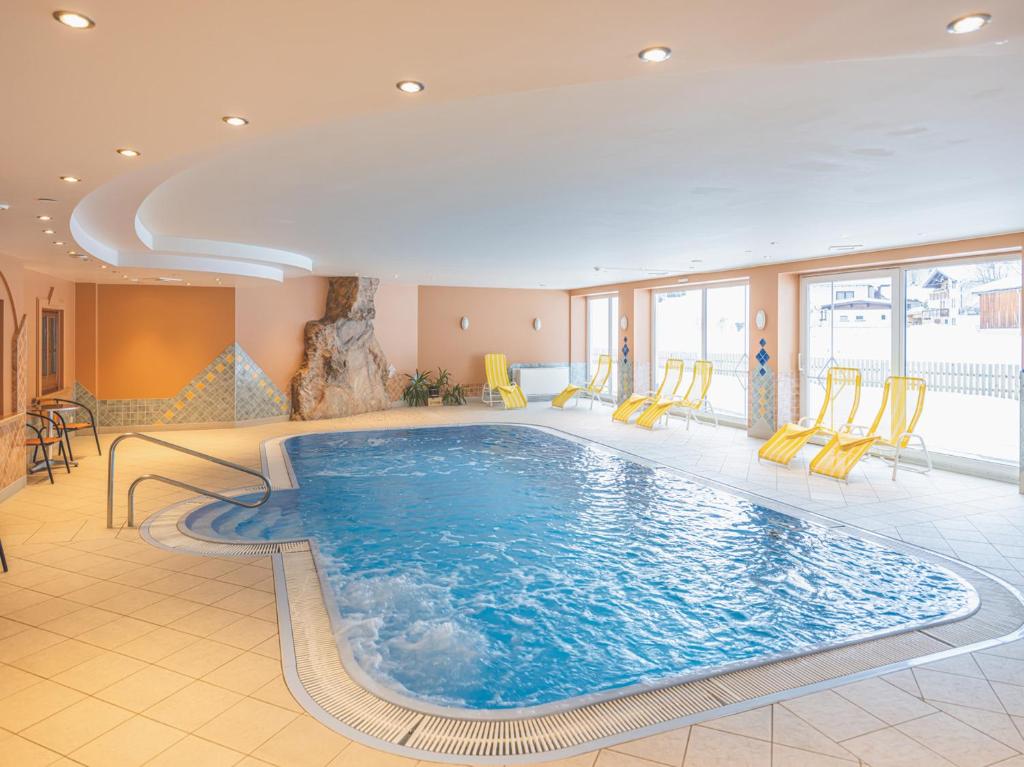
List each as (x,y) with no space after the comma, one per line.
(499,567)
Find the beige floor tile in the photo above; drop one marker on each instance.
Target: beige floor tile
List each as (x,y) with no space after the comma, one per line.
(130,744)
(303,742)
(785,756)
(193,706)
(581,760)
(245,674)
(19,752)
(713,748)
(245,601)
(883,700)
(57,658)
(246,633)
(993,724)
(204,621)
(753,724)
(144,688)
(116,633)
(76,725)
(13,679)
(962,690)
(196,752)
(77,623)
(891,748)
(199,658)
(33,704)
(276,691)
(209,592)
(42,612)
(157,644)
(790,730)
(99,672)
(358,755)
(27,642)
(246,725)
(956,741)
(167,610)
(664,748)
(833,715)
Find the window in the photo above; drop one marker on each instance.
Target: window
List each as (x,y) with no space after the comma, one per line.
(602,321)
(955,324)
(705,323)
(51,356)
(843,294)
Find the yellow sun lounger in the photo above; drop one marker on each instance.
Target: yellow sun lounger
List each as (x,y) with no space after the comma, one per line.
(592,390)
(785,443)
(692,402)
(846,448)
(634,402)
(496,369)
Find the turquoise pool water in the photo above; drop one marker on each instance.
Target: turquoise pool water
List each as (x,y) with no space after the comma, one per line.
(498,567)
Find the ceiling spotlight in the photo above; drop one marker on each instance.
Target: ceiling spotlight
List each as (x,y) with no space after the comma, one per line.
(45,199)
(74,20)
(235,121)
(103,266)
(59,242)
(967,24)
(655,55)
(70,179)
(409,86)
(43,218)
(49,231)
(124,152)
(72,252)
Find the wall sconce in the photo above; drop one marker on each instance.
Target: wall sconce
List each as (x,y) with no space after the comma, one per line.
(536,323)
(464,323)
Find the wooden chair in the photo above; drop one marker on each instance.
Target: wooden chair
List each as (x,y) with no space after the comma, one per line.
(42,442)
(76,426)
(3,559)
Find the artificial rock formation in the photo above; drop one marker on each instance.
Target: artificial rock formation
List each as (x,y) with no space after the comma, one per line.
(344,370)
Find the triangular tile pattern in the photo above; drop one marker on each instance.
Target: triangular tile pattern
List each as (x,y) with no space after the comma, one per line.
(762,395)
(232,387)
(256,396)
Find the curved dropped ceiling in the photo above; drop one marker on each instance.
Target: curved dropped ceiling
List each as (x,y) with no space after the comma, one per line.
(552,188)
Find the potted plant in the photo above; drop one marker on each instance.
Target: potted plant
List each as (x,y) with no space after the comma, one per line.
(417,391)
(437,386)
(454,395)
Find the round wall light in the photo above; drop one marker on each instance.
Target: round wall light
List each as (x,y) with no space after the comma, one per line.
(537,323)
(464,323)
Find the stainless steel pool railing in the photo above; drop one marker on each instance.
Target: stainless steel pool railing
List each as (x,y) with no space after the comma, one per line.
(112,453)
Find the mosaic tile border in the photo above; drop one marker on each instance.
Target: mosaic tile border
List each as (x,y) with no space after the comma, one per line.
(231,388)
(317,676)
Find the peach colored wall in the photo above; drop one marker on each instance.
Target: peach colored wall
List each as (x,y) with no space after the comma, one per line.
(500,320)
(37,296)
(85,334)
(153,339)
(270,319)
(14,271)
(397,324)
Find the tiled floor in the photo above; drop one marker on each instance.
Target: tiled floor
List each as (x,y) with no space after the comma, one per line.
(115,653)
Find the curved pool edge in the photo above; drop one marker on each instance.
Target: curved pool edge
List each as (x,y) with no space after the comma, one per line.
(322,678)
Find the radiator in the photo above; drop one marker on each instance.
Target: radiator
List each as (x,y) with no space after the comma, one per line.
(542,382)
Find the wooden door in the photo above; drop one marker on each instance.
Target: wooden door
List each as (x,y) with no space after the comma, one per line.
(50,354)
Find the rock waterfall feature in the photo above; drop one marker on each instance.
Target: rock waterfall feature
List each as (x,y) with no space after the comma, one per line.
(344,370)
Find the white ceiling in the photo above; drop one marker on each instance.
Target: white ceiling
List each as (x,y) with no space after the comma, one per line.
(541,149)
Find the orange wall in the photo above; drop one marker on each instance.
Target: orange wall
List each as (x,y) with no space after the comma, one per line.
(153,339)
(500,320)
(36,296)
(270,319)
(85,334)
(397,324)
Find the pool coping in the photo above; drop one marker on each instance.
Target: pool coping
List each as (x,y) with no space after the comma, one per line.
(338,693)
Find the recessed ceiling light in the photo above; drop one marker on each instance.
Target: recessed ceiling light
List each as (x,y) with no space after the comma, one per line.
(409,86)
(70,179)
(168,279)
(966,24)
(234,121)
(125,152)
(124,276)
(656,55)
(45,199)
(43,218)
(103,266)
(49,231)
(59,242)
(72,252)
(74,19)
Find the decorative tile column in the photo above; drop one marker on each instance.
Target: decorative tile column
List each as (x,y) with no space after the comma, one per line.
(763,385)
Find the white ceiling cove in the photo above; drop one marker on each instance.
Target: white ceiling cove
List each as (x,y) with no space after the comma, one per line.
(540,153)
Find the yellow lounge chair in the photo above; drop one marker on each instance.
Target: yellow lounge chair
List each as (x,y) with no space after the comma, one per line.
(593,389)
(496,369)
(634,402)
(692,403)
(785,443)
(847,447)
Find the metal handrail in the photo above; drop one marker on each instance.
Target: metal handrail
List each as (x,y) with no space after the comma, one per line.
(175,482)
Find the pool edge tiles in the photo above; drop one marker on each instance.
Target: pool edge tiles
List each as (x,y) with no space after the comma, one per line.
(318,677)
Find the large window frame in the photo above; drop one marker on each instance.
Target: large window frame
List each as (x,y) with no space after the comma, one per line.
(612,333)
(898,341)
(732,419)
